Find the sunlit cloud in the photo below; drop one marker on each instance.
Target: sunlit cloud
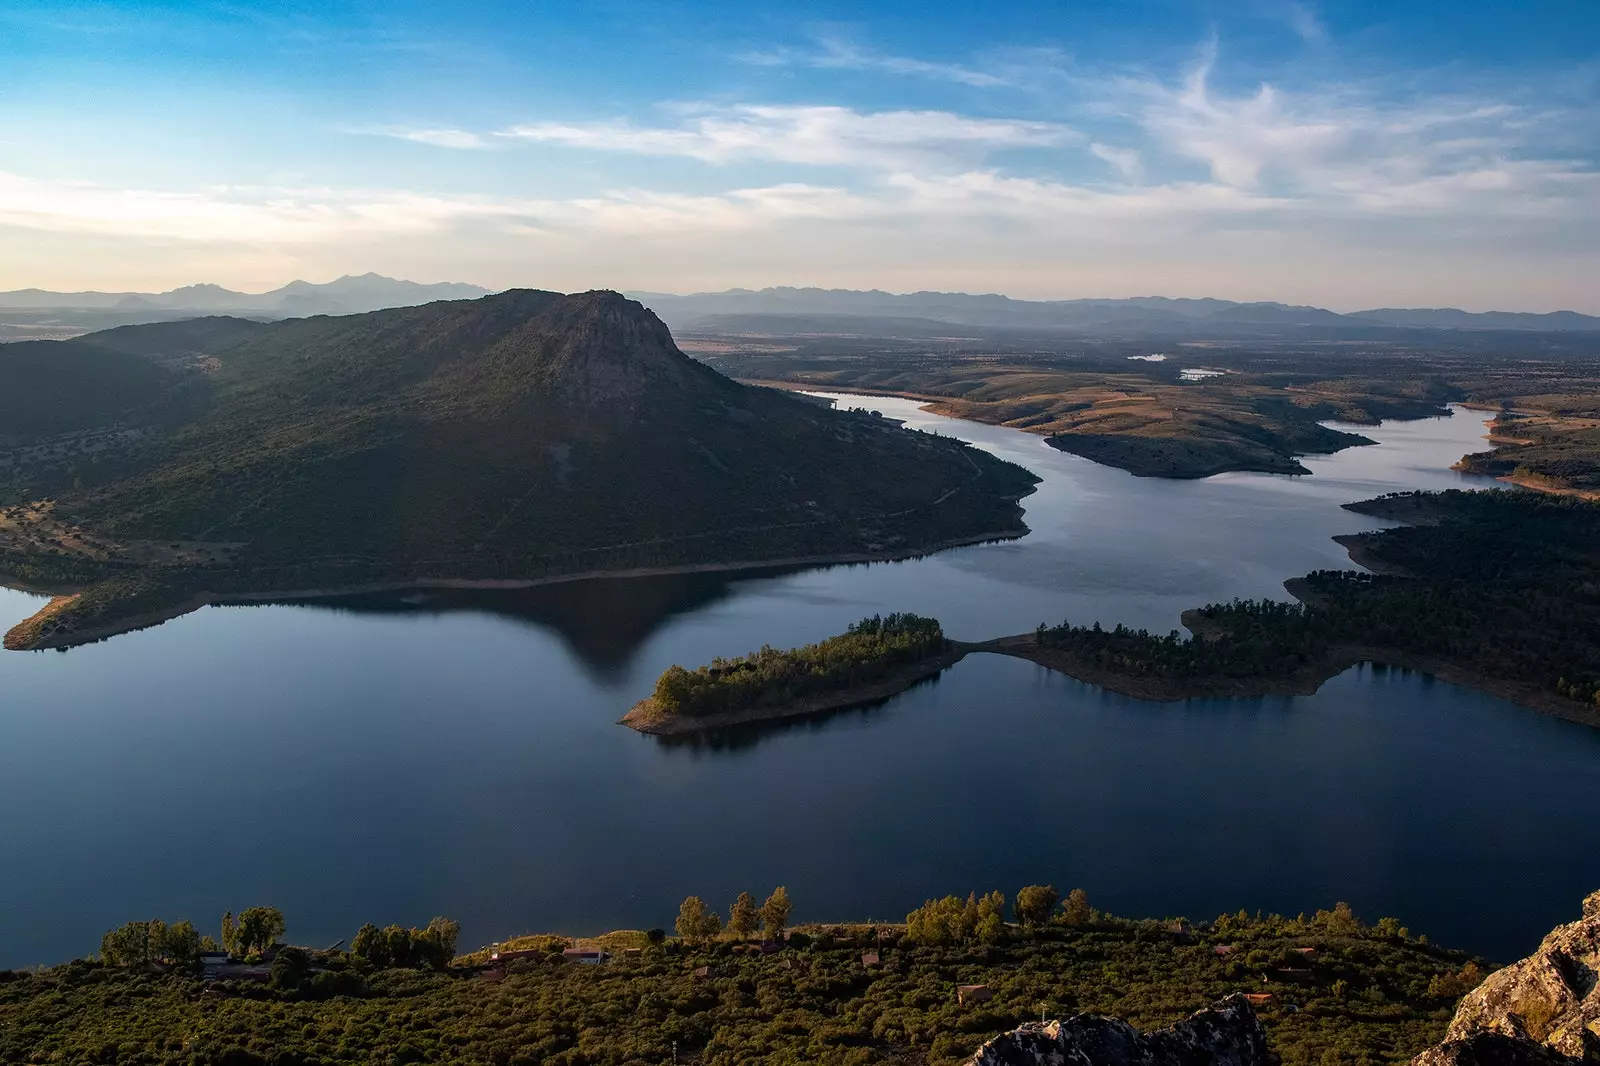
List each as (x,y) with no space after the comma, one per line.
(812,136)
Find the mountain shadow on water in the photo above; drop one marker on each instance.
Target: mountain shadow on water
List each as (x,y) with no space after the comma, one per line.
(603,621)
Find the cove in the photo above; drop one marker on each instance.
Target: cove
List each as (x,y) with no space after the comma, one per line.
(390,758)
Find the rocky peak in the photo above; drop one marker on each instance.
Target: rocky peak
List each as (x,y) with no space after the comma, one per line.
(1226,1034)
(1542,1011)
(601,350)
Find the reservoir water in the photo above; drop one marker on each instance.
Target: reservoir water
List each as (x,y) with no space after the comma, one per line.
(390,759)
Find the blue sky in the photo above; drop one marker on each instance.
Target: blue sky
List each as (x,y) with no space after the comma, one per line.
(1340,153)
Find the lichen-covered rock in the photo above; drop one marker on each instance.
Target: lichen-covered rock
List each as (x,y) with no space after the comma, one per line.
(1544,1009)
(1227,1034)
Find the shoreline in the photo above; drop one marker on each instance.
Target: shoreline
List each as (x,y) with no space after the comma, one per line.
(647,717)
(62,595)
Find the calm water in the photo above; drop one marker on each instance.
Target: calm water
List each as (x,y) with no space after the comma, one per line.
(388,760)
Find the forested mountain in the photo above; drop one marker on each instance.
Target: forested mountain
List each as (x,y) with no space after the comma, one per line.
(520,435)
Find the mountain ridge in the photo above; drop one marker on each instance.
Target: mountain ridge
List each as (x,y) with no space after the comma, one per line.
(525,436)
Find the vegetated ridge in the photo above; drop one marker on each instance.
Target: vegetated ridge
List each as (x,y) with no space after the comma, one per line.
(755,988)
(521,437)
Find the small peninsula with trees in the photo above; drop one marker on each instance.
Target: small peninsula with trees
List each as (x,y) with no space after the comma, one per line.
(875,658)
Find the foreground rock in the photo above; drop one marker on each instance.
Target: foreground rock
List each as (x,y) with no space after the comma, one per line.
(1544,1009)
(1227,1034)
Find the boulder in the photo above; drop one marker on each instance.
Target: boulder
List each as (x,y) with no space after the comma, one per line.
(1542,1010)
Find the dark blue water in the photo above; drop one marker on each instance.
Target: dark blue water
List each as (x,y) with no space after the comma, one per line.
(386,760)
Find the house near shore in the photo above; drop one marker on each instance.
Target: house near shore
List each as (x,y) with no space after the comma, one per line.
(966,994)
(585,956)
(1258,999)
(870,961)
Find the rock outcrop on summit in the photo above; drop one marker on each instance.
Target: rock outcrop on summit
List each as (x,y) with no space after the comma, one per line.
(1226,1034)
(1542,1011)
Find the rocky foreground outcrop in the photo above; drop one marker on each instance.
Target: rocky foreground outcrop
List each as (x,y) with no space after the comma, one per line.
(1542,1011)
(1227,1034)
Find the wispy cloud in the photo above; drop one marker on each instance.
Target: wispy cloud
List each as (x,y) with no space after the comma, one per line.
(437,137)
(816,136)
(1301,17)
(1125,160)
(838,53)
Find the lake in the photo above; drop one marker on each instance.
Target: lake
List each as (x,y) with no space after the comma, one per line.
(393,758)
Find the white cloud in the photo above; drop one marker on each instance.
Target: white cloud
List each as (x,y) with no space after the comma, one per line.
(441,138)
(1341,150)
(815,136)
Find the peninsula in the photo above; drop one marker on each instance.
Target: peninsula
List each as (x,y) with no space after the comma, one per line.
(516,439)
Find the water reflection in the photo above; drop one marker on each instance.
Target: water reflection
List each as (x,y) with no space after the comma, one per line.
(603,622)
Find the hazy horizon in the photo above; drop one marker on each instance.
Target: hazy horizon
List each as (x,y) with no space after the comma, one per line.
(273,287)
(1343,153)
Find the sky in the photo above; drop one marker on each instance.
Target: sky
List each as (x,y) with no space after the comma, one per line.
(1344,153)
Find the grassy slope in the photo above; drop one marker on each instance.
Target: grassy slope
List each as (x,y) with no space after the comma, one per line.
(815,1005)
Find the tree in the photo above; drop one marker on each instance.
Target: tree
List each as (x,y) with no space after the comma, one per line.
(692,919)
(1035,902)
(440,937)
(179,944)
(1075,911)
(655,937)
(230,934)
(257,930)
(128,946)
(370,945)
(397,944)
(775,913)
(743,918)
(290,968)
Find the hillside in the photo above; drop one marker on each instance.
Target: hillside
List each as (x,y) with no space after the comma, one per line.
(521,436)
(1329,989)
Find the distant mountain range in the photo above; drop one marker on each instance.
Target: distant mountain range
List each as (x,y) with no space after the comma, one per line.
(41,313)
(830,310)
(346,296)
